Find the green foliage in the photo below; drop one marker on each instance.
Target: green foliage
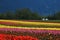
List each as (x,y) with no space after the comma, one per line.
(24,13)
(27,14)
(55,16)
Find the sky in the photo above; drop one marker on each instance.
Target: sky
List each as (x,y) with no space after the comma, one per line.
(43,7)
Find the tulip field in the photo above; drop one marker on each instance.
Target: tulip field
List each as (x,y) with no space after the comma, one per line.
(26,23)
(29,30)
(28,34)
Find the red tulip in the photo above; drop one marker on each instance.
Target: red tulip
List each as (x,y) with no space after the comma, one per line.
(24,38)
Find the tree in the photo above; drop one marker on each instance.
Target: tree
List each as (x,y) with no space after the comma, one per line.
(57,15)
(8,15)
(23,13)
(1,15)
(35,16)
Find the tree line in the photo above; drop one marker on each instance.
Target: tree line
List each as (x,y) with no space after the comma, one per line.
(27,14)
(21,14)
(55,16)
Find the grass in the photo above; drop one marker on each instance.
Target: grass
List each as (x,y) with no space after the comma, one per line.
(54,21)
(48,21)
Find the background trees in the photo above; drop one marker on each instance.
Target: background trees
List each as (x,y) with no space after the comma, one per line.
(20,14)
(27,14)
(55,16)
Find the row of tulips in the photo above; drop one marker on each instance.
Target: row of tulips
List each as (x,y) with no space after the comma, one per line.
(27,25)
(34,34)
(13,37)
(15,24)
(9,23)
(27,36)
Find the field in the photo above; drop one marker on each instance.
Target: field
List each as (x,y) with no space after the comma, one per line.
(29,30)
(29,23)
(28,34)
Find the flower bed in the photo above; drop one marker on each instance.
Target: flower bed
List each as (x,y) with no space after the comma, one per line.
(9,23)
(28,34)
(13,37)
(30,24)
